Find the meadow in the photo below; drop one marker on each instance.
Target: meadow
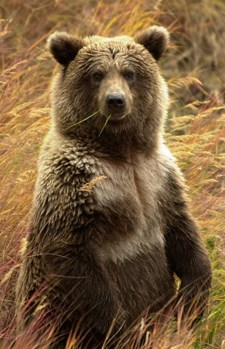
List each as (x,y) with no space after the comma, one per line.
(194,68)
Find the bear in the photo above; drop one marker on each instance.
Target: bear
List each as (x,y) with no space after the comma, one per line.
(111,226)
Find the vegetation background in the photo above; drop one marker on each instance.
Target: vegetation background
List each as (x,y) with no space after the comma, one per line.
(194,67)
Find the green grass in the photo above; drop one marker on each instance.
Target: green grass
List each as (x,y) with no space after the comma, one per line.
(194,68)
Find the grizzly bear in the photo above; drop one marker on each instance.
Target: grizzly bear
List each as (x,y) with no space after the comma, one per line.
(111,226)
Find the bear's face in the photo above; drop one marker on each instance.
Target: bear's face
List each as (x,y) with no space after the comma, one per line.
(109,84)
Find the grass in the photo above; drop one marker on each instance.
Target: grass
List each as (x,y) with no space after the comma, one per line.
(195,131)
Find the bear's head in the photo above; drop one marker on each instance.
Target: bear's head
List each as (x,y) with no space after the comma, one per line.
(110,87)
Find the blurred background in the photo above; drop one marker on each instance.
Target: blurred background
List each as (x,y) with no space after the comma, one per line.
(194,67)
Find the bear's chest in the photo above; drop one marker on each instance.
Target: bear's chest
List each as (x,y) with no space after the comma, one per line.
(129,186)
(126,199)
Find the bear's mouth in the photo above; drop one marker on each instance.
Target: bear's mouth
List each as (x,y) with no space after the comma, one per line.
(113,118)
(113,121)
(117,118)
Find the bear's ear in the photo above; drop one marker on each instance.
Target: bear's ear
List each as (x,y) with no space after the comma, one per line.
(155,40)
(64,47)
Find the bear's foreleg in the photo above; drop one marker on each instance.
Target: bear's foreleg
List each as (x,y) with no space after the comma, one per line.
(186,254)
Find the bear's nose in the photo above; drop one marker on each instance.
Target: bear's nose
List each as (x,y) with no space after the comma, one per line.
(115,101)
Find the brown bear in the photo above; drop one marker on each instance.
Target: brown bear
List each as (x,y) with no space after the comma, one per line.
(110,221)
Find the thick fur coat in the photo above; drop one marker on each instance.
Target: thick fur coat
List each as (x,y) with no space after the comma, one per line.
(110,220)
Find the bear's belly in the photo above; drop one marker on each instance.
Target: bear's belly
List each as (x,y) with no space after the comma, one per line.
(143,281)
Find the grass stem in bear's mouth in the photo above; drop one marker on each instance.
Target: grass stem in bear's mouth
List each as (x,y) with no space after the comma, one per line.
(106,121)
(85,119)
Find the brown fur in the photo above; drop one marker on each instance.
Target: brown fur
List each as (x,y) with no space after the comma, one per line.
(108,252)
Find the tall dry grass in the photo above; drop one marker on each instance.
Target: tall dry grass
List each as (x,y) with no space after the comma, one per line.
(194,68)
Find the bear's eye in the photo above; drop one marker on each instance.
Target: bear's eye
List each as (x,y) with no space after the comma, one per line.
(98,76)
(129,75)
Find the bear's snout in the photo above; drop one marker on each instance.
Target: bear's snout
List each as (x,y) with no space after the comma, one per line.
(114,98)
(115,102)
